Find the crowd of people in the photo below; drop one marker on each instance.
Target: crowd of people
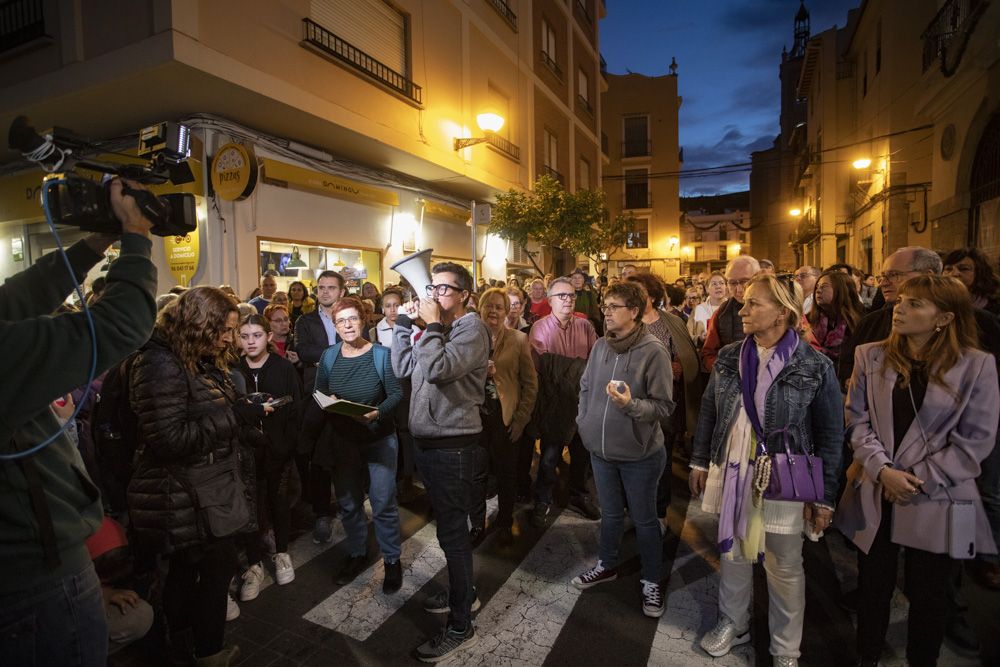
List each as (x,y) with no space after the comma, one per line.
(800,402)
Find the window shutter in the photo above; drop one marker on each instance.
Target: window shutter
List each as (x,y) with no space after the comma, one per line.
(372,26)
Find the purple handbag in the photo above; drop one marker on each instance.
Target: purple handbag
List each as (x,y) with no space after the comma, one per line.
(796,477)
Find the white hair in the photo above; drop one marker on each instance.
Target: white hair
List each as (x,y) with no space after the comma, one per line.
(555,281)
(923,260)
(749,261)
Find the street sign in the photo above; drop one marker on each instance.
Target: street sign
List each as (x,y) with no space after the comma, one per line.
(483,213)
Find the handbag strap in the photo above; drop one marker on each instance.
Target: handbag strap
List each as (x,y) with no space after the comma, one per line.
(923,435)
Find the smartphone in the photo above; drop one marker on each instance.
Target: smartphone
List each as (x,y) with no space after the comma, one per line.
(278,402)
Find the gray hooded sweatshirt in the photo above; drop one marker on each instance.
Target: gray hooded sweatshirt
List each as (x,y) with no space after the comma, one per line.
(448,372)
(633,432)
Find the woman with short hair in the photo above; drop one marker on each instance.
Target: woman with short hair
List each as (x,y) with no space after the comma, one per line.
(921,413)
(768,395)
(625,394)
(354,369)
(715,290)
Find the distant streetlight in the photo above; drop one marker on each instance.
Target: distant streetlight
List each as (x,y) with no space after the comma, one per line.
(795,212)
(862,163)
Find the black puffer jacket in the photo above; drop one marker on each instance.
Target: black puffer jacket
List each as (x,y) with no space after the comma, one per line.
(182,419)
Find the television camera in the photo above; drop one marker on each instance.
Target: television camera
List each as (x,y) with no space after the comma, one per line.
(78,201)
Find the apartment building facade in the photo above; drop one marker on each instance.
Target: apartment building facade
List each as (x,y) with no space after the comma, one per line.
(714,230)
(345,111)
(640,120)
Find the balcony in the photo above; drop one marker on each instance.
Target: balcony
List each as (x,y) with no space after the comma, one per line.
(947,35)
(549,171)
(637,148)
(330,45)
(21,22)
(584,104)
(580,9)
(504,146)
(505,12)
(552,65)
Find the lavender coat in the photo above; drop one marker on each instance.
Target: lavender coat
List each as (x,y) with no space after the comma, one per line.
(959,436)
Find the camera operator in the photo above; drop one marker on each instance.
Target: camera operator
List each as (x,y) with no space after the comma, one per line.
(51,608)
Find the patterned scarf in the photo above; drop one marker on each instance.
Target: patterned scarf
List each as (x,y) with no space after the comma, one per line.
(829,335)
(741,519)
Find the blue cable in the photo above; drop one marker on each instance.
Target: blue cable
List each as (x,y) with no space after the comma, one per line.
(90,323)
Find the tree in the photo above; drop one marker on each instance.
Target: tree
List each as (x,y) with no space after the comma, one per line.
(576,222)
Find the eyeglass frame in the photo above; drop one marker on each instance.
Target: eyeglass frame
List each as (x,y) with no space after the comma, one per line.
(738,283)
(563,296)
(891,276)
(613,307)
(435,290)
(343,321)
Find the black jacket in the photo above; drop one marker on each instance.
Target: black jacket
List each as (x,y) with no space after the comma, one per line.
(877,325)
(310,341)
(277,377)
(182,419)
(558,396)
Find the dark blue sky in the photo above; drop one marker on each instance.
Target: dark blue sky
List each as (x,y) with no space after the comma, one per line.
(728,52)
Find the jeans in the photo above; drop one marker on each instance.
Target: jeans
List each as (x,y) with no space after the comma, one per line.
(449,477)
(786,592)
(579,466)
(349,481)
(663,487)
(639,478)
(196,591)
(927,578)
(272,506)
(58,622)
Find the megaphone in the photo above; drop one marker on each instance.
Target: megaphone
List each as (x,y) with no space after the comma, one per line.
(416,269)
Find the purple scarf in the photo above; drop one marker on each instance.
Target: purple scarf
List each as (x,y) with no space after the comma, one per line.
(736,488)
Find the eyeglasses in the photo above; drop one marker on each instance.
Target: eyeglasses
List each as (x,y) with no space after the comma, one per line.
(441,290)
(892,276)
(279,320)
(563,296)
(611,308)
(738,283)
(342,321)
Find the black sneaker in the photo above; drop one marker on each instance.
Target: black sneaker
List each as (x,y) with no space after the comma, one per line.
(393,578)
(438,603)
(585,506)
(652,599)
(539,513)
(445,644)
(354,566)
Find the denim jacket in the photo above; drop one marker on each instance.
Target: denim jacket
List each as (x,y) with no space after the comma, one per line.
(804,411)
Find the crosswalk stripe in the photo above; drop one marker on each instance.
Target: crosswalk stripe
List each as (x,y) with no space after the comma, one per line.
(692,600)
(303,549)
(359,608)
(521,622)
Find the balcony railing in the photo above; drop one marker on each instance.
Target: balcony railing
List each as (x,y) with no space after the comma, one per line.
(947,35)
(551,64)
(581,7)
(331,45)
(21,21)
(504,10)
(637,148)
(585,104)
(546,169)
(504,146)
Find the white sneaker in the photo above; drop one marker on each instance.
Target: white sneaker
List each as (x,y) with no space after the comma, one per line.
(252,579)
(232,609)
(284,573)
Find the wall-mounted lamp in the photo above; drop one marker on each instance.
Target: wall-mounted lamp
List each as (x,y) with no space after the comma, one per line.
(489,122)
(862,163)
(673,241)
(296,261)
(795,212)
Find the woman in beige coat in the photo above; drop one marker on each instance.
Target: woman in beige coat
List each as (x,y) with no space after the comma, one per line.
(511,391)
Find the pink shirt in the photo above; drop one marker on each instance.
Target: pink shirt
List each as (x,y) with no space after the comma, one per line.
(575,340)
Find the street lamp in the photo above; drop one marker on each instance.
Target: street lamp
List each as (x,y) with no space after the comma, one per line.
(862,163)
(795,212)
(489,122)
